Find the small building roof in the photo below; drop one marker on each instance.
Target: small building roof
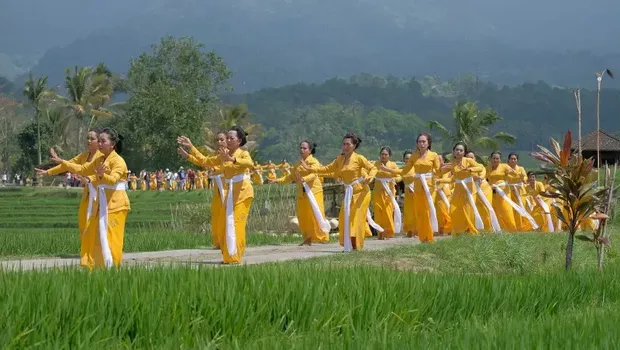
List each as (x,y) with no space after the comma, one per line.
(609,142)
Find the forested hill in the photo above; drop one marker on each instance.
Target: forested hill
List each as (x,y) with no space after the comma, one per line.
(392,111)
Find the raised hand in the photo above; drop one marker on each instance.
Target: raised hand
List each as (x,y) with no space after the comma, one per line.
(101,170)
(303,164)
(40,172)
(54,157)
(184,141)
(224,155)
(298,178)
(386,169)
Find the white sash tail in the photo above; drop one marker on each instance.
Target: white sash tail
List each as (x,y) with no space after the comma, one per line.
(260,176)
(529,203)
(517,193)
(429,199)
(472,202)
(443,196)
(545,207)
(348,196)
(372,222)
(92,197)
(318,216)
(398,216)
(103,220)
(558,224)
(231,238)
(494,222)
(410,187)
(220,186)
(515,206)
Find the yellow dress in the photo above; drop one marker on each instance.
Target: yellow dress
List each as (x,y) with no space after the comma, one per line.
(217,205)
(351,174)
(463,210)
(285,168)
(442,202)
(516,182)
(426,168)
(485,212)
(237,174)
(199,180)
(257,175)
(153,184)
(383,208)
(309,226)
(503,209)
(107,249)
(80,159)
(541,211)
(133,181)
(409,225)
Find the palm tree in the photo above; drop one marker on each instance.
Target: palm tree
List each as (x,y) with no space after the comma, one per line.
(472,127)
(88,90)
(59,122)
(227,117)
(36,91)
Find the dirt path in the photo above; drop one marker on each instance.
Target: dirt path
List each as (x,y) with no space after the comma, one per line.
(253,255)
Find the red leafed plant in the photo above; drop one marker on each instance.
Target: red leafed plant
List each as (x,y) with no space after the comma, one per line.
(572,186)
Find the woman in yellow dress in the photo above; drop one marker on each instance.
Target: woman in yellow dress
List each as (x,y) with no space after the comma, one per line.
(257,174)
(235,164)
(426,164)
(409,203)
(105,230)
(133,181)
(353,214)
(310,208)
(541,209)
(385,208)
(271,170)
(516,182)
(443,188)
(463,211)
(484,198)
(89,194)
(285,167)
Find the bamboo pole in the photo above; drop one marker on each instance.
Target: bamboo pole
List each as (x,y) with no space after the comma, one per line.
(577,94)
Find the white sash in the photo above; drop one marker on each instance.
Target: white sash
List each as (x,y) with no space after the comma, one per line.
(318,216)
(472,202)
(398,216)
(410,186)
(545,207)
(231,238)
(372,222)
(103,220)
(429,199)
(348,196)
(529,203)
(220,186)
(515,206)
(260,176)
(485,201)
(92,196)
(515,188)
(558,224)
(442,195)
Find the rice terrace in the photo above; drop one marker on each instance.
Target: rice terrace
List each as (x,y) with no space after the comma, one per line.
(290,175)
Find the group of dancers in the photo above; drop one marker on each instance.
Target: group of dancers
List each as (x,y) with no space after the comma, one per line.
(441,196)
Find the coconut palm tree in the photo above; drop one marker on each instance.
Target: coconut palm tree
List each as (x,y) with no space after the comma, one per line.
(36,92)
(472,126)
(227,117)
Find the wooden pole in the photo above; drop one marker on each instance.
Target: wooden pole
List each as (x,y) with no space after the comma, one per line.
(599,79)
(577,94)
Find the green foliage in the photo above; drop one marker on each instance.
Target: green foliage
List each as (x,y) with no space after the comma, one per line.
(172,90)
(27,143)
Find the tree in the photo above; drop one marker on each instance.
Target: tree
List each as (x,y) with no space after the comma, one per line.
(172,90)
(573,183)
(27,143)
(8,129)
(227,117)
(88,90)
(36,92)
(472,127)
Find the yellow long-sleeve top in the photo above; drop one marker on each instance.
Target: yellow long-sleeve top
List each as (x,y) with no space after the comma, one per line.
(378,187)
(116,171)
(348,172)
(286,167)
(243,164)
(429,164)
(500,174)
(258,169)
(536,190)
(467,168)
(80,159)
(307,176)
(518,176)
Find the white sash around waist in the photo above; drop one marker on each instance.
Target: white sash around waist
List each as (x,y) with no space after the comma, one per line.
(231,238)
(429,199)
(472,202)
(558,224)
(545,207)
(92,197)
(410,187)
(348,196)
(443,196)
(515,206)
(260,176)
(398,216)
(220,186)
(318,215)
(494,222)
(517,193)
(103,220)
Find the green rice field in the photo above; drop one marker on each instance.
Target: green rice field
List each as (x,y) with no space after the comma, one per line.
(43,221)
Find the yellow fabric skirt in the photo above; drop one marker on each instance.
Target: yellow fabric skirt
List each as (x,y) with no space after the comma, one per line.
(383,211)
(308,225)
(91,253)
(242,211)
(357,222)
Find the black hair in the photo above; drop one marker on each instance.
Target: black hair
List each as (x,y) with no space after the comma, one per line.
(241,134)
(115,138)
(407,152)
(386,148)
(513,154)
(496,152)
(460,144)
(310,144)
(95,130)
(429,139)
(530,173)
(355,140)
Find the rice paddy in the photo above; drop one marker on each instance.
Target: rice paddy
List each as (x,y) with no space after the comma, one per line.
(492,291)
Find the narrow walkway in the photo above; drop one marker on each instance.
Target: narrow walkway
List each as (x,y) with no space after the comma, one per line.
(253,255)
